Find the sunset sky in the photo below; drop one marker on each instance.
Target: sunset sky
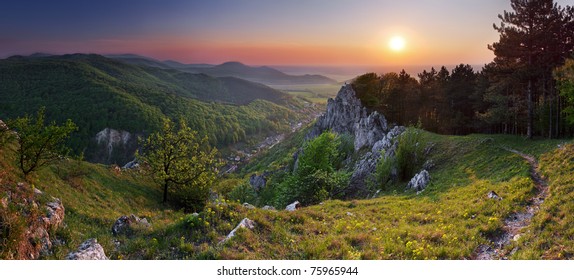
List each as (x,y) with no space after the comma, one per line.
(258,32)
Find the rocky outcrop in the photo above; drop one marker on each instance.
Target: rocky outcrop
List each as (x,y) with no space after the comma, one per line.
(346,115)
(245,223)
(41,219)
(258,182)
(293,206)
(372,136)
(366,166)
(113,147)
(269,208)
(89,250)
(419,182)
(125,224)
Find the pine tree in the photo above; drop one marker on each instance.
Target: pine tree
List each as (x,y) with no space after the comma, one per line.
(532,38)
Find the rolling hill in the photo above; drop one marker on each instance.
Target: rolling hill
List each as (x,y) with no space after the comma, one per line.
(98,92)
(262,74)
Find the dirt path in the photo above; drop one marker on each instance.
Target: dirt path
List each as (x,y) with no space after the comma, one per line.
(516,221)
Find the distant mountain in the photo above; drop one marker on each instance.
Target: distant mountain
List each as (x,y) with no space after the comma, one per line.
(98,93)
(138,60)
(263,74)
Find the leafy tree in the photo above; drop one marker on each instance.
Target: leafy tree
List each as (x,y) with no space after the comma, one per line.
(38,144)
(316,178)
(184,164)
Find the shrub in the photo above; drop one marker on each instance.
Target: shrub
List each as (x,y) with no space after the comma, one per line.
(316,178)
(410,153)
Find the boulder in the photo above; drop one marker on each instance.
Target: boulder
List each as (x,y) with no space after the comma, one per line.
(493,195)
(125,224)
(248,206)
(245,223)
(267,207)
(131,165)
(419,182)
(293,206)
(3,126)
(89,250)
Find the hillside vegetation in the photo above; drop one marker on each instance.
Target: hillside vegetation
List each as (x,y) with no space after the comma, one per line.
(449,220)
(97,92)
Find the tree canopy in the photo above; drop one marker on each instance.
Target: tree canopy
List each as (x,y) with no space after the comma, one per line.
(40,144)
(182,162)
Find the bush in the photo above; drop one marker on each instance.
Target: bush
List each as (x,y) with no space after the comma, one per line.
(410,153)
(316,178)
(408,160)
(243,193)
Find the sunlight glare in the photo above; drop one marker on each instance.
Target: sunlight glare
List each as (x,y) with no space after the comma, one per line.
(397,43)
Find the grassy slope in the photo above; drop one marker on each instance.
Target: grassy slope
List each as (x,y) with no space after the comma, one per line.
(447,221)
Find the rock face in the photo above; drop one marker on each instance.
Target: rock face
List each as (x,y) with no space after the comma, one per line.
(346,115)
(245,223)
(258,182)
(419,182)
(89,250)
(114,146)
(125,224)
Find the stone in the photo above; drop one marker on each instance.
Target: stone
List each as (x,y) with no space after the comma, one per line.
(493,195)
(267,207)
(245,223)
(293,206)
(3,126)
(248,206)
(419,182)
(516,237)
(89,250)
(131,165)
(54,214)
(125,224)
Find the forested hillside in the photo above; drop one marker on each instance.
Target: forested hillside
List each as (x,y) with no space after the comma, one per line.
(97,93)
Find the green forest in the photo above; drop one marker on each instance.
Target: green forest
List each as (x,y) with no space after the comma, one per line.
(526,90)
(97,92)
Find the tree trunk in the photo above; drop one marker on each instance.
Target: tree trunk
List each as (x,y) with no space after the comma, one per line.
(530,110)
(164,192)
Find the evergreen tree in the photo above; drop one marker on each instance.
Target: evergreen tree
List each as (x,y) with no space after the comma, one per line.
(533,37)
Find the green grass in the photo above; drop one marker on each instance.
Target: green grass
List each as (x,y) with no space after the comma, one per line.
(446,221)
(551,235)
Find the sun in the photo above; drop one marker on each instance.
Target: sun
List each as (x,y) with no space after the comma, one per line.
(397,43)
